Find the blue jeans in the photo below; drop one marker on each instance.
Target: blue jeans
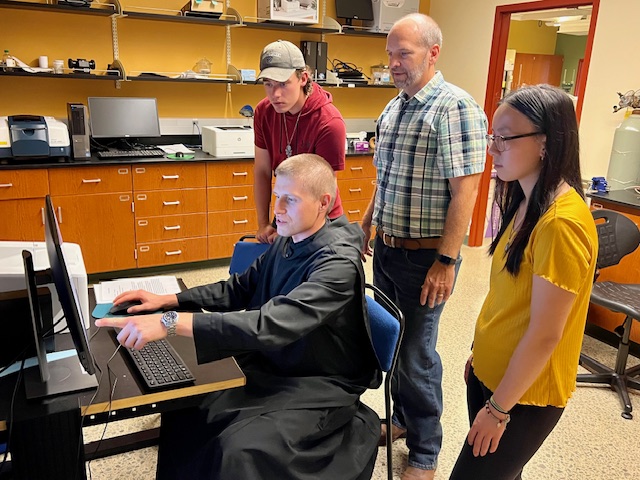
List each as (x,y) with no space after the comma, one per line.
(417,384)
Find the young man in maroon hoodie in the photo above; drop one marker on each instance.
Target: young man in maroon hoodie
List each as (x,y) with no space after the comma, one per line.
(297,116)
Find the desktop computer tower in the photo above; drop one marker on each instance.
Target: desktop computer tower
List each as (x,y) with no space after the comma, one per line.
(308,48)
(321,61)
(79,130)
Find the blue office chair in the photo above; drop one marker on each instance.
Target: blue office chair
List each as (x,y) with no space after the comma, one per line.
(386,323)
(244,253)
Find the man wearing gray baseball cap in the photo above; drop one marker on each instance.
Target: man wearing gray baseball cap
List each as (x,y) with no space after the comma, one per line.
(297,116)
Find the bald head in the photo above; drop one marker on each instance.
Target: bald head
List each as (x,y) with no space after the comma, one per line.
(421,27)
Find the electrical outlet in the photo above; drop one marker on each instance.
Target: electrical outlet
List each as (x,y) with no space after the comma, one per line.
(194,122)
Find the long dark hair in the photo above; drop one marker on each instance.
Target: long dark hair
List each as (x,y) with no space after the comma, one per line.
(551,112)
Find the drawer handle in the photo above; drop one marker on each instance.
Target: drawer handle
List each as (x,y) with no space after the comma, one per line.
(140,170)
(354,169)
(42,212)
(174,252)
(175,227)
(170,177)
(177,202)
(597,205)
(143,223)
(237,199)
(60,215)
(240,174)
(123,171)
(93,180)
(354,190)
(145,248)
(353,211)
(240,222)
(6,185)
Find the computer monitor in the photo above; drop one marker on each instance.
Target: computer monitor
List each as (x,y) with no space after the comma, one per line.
(354,10)
(62,375)
(123,117)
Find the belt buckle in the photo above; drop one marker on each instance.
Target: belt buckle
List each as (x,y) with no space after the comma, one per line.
(391,243)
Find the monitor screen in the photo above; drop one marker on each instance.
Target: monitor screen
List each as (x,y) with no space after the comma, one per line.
(64,374)
(354,10)
(123,117)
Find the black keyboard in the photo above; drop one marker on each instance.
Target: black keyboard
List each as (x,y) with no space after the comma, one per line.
(159,366)
(136,153)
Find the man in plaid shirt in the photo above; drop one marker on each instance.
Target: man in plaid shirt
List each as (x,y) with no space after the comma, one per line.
(429,155)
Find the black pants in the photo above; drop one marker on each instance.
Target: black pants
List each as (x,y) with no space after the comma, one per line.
(528,429)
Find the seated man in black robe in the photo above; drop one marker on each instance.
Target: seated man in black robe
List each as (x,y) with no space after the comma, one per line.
(301,341)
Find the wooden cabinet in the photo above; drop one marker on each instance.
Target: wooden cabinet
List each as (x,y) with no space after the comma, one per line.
(535,68)
(356,184)
(230,205)
(94,206)
(170,213)
(22,195)
(627,271)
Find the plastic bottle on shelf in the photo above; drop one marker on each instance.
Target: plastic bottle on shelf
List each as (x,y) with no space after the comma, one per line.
(624,165)
(8,62)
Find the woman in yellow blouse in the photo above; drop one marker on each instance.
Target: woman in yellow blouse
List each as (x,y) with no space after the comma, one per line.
(529,332)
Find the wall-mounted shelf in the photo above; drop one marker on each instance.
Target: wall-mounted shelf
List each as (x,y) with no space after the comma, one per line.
(63,76)
(224,20)
(109,10)
(360,32)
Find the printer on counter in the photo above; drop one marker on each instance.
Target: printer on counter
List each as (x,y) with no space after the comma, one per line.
(32,136)
(228,141)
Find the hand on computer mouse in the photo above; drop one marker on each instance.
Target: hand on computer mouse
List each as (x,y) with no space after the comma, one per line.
(122,308)
(142,302)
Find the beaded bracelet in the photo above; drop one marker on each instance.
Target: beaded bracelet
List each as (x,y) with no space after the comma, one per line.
(495,405)
(504,420)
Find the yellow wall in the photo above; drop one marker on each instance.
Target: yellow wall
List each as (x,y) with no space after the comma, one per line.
(531,37)
(165,47)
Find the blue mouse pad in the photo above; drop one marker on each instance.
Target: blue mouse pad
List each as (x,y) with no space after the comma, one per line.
(102,310)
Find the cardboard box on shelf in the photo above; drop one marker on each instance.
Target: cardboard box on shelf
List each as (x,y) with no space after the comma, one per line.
(295,11)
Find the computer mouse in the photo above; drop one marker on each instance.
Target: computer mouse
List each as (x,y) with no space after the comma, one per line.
(121,308)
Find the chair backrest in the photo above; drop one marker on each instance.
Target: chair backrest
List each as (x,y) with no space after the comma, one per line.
(386,327)
(244,253)
(617,236)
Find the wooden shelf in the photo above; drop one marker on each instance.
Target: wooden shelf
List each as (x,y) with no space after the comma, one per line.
(189,19)
(58,8)
(360,32)
(64,76)
(288,27)
(179,80)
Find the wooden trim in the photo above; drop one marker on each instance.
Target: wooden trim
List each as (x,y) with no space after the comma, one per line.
(494,85)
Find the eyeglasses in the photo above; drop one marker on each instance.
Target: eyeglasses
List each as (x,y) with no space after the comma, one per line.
(499,141)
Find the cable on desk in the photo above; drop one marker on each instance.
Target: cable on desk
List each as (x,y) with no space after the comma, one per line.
(112,390)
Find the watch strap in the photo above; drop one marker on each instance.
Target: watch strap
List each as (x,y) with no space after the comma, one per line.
(446,259)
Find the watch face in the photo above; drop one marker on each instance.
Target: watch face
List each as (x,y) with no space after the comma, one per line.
(169,318)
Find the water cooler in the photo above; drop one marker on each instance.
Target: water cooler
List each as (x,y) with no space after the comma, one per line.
(624,165)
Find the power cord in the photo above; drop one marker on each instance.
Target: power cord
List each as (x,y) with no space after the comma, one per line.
(347,69)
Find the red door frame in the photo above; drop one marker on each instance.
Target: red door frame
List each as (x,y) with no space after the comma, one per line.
(494,86)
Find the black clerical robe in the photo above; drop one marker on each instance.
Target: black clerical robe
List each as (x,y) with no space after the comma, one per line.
(304,347)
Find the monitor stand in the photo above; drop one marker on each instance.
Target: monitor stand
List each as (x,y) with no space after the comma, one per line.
(66,375)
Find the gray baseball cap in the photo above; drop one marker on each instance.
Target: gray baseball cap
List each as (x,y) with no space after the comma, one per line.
(279,60)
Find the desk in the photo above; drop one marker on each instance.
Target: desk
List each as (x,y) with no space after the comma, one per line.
(46,434)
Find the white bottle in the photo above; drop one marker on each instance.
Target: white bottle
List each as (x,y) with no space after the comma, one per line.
(624,165)
(8,62)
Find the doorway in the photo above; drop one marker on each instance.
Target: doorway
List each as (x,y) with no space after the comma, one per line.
(496,77)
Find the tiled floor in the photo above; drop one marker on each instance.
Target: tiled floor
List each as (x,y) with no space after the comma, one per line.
(592,441)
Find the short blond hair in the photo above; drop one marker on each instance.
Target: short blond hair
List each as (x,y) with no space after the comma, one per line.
(313,172)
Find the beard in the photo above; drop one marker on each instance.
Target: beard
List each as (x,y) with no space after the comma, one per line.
(411,77)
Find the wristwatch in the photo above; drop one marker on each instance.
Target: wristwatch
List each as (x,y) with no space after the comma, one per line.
(446,259)
(170,322)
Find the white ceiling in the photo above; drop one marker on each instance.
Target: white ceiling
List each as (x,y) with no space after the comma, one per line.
(571,21)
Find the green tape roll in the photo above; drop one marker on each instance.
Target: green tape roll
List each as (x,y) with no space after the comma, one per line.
(184,156)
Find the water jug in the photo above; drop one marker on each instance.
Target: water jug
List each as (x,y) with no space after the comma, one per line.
(624,165)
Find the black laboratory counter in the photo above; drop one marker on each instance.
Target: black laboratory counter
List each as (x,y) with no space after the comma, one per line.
(622,198)
(199,156)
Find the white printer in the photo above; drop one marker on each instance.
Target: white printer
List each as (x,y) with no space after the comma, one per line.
(33,136)
(228,141)
(12,272)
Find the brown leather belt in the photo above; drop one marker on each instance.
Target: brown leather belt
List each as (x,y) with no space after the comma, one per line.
(408,243)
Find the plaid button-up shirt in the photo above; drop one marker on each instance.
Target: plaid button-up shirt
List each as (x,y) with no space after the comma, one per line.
(421,142)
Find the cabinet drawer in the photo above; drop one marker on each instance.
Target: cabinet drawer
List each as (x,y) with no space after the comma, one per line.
(171,252)
(358,168)
(356,189)
(22,220)
(235,221)
(170,202)
(354,210)
(23,184)
(169,176)
(223,174)
(86,180)
(154,229)
(230,198)
(221,246)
